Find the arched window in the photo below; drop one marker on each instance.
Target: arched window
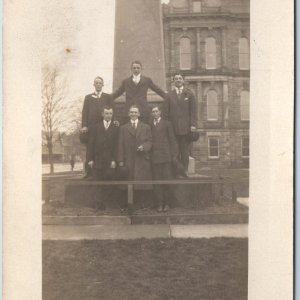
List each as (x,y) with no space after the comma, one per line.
(185,53)
(245,111)
(211,53)
(212,105)
(244,59)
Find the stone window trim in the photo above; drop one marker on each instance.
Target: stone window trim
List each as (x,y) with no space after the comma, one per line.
(244,53)
(245,148)
(213,144)
(186,54)
(211,54)
(208,106)
(243,112)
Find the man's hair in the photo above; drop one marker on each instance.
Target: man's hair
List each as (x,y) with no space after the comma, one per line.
(107,107)
(178,73)
(133,106)
(98,77)
(158,106)
(137,62)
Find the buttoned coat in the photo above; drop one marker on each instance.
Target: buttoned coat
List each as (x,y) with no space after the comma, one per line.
(181,111)
(103,145)
(137,162)
(136,94)
(93,107)
(164,145)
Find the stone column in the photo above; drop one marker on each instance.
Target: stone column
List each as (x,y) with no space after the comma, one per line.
(173,50)
(198,53)
(225,104)
(139,36)
(224,47)
(199,104)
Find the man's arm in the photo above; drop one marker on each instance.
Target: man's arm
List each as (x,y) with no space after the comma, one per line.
(120,156)
(157,89)
(119,91)
(147,145)
(84,122)
(193,112)
(91,144)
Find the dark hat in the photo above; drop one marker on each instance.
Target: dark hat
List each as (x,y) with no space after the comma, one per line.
(122,173)
(83,137)
(193,136)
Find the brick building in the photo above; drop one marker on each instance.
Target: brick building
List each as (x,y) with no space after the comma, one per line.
(208,41)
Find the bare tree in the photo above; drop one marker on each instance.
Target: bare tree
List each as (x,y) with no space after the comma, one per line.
(55,110)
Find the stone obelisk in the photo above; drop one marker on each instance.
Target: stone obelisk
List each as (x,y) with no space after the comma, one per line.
(139,36)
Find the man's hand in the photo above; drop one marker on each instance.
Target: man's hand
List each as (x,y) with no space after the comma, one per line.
(91,163)
(140,148)
(84,129)
(116,123)
(193,128)
(121,164)
(113,164)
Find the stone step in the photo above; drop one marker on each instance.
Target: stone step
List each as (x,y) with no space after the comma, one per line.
(179,219)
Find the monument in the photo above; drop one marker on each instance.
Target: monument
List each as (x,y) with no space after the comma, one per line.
(139,36)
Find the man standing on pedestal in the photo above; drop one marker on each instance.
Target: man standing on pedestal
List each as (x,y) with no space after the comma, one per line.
(136,87)
(164,151)
(92,112)
(180,110)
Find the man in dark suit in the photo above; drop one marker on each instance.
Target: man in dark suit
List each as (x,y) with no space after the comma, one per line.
(135,142)
(136,87)
(180,110)
(102,149)
(92,111)
(164,151)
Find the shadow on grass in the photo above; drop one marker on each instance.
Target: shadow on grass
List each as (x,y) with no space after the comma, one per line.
(205,269)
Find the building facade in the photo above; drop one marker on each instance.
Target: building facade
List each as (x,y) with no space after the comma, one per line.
(208,41)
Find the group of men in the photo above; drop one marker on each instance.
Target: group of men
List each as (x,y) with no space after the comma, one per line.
(147,142)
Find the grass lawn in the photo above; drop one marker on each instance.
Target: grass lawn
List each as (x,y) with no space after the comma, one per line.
(144,269)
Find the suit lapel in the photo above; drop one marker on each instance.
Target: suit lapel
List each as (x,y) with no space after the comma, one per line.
(130,128)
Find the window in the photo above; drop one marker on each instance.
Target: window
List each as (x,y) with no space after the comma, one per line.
(196,6)
(213,147)
(211,53)
(212,105)
(244,54)
(245,105)
(245,147)
(185,53)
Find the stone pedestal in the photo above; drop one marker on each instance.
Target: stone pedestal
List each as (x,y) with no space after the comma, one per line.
(139,36)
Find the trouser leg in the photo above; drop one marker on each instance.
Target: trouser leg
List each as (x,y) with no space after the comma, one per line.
(183,145)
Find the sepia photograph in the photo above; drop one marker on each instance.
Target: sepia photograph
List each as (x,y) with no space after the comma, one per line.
(137,163)
(145,149)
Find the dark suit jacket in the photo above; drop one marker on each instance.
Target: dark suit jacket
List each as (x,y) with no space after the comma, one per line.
(136,94)
(92,108)
(164,145)
(103,145)
(181,112)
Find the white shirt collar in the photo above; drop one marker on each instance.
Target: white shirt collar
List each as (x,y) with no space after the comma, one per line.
(136,77)
(100,93)
(177,89)
(106,122)
(136,121)
(157,121)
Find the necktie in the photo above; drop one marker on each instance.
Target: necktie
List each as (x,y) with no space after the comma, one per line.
(155,122)
(179,92)
(106,124)
(133,125)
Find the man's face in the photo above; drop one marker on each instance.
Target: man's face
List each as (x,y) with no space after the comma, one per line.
(156,113)
(107,114)
(178,80)
(136,69)
(134,113)
(98,84)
